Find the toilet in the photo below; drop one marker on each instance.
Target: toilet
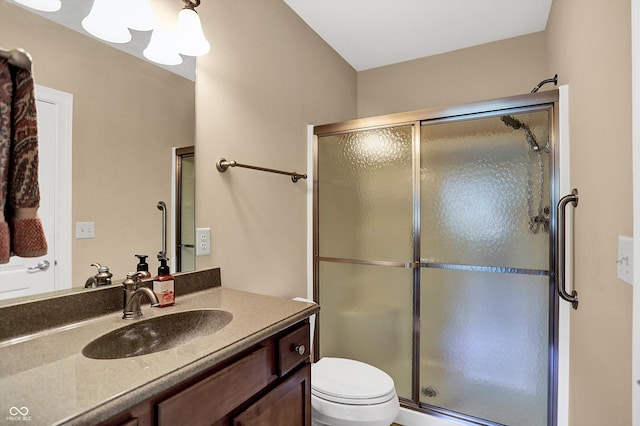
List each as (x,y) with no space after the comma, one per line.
(346,392)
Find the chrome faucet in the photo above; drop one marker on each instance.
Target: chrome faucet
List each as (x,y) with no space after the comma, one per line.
(133,292)
(103,277)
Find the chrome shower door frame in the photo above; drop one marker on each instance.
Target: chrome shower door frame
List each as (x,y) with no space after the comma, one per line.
(546,100)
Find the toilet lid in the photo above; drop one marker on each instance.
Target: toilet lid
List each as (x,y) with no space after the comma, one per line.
(349,381)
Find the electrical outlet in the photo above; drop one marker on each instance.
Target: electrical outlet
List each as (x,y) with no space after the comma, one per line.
(85,230)
(203,241)
(625,259)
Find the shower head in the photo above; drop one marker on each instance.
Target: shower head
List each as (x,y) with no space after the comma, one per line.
(517,124)
(511,121)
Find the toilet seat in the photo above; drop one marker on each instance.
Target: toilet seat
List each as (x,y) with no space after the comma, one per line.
(350,382)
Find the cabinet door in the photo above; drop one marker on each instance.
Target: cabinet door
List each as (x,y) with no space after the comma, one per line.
(288,404)
(213,398)
(293,349)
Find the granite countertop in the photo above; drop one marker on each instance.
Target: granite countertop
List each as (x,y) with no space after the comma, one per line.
(47,375)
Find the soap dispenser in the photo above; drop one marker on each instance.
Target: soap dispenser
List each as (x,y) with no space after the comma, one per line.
(164,283)
(143,266)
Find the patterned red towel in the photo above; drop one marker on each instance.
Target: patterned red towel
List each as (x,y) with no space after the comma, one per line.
(21,231)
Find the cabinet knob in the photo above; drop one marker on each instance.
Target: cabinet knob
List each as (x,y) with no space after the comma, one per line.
(300,349)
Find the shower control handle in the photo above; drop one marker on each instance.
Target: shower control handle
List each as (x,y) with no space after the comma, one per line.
(300,349)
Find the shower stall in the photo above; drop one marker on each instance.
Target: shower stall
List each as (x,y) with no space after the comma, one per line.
(434,251)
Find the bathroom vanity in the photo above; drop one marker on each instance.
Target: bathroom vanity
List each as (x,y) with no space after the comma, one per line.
(253,371)
(268,384)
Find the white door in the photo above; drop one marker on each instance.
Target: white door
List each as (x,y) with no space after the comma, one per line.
(28,276)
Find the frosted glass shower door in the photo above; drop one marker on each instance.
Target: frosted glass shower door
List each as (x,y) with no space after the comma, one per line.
(365,223)
(485,300)
(365,196)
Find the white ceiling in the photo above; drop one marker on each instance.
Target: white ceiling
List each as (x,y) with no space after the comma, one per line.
(374,33)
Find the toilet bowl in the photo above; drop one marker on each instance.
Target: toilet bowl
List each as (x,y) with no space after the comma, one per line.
(346,392)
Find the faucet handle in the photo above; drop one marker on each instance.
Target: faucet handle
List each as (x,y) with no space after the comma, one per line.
(136,275)
(133,280)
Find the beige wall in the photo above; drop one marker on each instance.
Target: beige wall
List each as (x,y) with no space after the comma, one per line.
(589,45)
(494,70)
(268,77)
(127,115)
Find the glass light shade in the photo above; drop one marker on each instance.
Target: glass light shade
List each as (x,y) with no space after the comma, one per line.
(162,48)
(190,38)
(43,5)
(139,15)
(107,21)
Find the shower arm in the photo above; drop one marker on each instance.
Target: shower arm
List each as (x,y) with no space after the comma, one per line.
(553,80)
(560,249)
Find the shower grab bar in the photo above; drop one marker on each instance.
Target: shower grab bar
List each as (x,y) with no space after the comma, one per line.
(560,264)
(162,254)
(222,165)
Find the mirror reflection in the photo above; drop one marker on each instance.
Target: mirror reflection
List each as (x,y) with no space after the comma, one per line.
(127,118)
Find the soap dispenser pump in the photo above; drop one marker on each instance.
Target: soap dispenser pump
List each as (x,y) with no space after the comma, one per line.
(164,283)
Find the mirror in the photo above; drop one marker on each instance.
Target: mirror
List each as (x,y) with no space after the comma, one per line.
(128,115)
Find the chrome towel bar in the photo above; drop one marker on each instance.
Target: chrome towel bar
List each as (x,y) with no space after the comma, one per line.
(222,165)
(561,260)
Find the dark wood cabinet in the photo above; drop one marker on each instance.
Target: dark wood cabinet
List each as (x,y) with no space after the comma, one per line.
(288,404)
(218,394)
(267,384)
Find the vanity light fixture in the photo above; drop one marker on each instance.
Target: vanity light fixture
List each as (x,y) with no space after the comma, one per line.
(110,20)
(162,47)
(43,5)
(106,21)
(190,37)
(140,16)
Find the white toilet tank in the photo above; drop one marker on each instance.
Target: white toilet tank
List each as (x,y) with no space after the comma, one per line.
(365,327)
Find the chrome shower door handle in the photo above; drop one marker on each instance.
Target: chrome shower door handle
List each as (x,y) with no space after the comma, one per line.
(561,249)
(42,266)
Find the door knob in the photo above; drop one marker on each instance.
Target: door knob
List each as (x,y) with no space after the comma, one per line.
(42,266)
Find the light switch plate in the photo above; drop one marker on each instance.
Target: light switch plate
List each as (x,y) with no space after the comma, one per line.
(85,230)
(625,259)
(203,241)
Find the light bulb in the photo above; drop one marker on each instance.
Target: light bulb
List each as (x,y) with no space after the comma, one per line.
(162,48)
(106,21)
(190,38)
(139,15)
